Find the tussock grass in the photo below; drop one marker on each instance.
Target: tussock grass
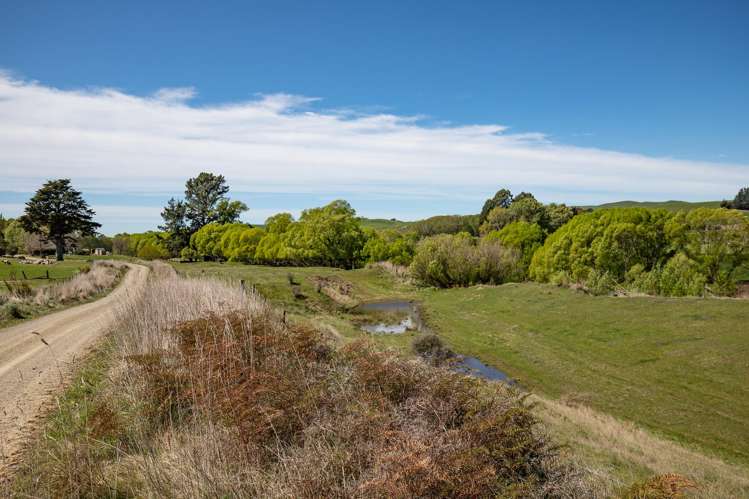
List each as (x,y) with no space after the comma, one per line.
(398,271)
(101,275)
(210,393)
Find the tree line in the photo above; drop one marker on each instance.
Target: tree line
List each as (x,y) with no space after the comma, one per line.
(513,238)
(56,215)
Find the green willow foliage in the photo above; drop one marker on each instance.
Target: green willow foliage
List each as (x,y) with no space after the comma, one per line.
(462,260)
(523,236)
(330,235)
(390,245)
(146,245)
(654,251)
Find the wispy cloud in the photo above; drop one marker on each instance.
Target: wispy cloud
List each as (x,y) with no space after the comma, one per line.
(108,140)
(175,95)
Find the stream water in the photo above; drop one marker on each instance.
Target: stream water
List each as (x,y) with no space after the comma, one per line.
(411,321)
(474,367)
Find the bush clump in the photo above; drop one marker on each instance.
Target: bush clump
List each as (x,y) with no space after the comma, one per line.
(668,486)
(431,348)
(13,310)
(313,421)
(652,251)
(461,260)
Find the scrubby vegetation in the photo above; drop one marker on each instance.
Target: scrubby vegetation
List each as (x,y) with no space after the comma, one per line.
(652,251)
(446,224)
(462,260)
(211,393)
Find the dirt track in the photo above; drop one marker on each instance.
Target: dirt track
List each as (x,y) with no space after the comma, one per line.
(32,370)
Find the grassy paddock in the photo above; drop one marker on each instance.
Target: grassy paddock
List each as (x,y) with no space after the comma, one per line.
(58,294)
(37,274)
(677,366)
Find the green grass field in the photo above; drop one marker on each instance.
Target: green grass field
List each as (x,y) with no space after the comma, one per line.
(677,366)
(36,275)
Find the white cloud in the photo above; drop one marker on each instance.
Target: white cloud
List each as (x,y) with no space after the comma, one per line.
(107,140)
(175,95)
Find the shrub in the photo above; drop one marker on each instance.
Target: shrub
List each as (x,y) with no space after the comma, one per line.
(151,251)
(445,261)
(19,289)
(524,236)
(713,244)
(389,246)
(600,283)
(430,347)
(13,310)
(188,254)
(681,277)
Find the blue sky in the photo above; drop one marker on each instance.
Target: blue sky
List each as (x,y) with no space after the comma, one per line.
(421,107)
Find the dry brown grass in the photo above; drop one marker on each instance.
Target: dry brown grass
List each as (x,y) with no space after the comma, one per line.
(669,486)
(102,275)
(603,442)
(214,395)
(22,300)
(398,271)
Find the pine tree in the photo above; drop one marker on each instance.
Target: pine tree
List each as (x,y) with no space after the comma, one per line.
(57,212)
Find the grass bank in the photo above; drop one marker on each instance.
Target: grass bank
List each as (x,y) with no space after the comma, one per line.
(209,392)
(677,367)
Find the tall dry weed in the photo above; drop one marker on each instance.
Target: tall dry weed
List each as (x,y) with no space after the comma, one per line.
(232,401)
(213,394)
(101,276)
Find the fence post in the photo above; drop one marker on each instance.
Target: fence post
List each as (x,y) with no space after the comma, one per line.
(241,285)
(47,271)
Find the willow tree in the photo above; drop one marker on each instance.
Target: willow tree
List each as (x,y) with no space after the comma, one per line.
(57,212)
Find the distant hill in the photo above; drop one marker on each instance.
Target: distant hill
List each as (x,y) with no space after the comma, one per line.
(667,205)
(383,223)
(673,205)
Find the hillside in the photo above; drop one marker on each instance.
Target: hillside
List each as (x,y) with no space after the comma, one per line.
(671,205)
(384,223)
(666,205)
